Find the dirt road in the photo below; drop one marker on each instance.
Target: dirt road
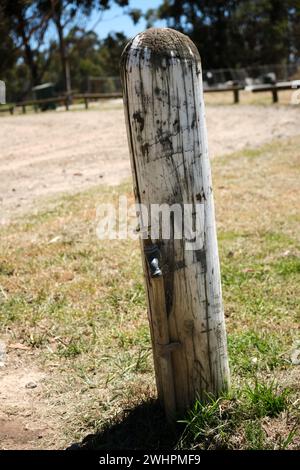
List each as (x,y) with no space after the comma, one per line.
(44,154)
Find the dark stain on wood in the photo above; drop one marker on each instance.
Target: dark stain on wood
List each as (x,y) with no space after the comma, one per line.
(145,149)
(201,196)
(137,116)
(166,144)
(200,256)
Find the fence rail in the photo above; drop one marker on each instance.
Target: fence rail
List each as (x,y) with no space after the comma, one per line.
(66,100)
(87,97)
(234,89)
(274,89)
(253,74)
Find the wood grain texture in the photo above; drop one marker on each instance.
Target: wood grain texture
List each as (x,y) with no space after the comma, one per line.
(159,323)
(165,116)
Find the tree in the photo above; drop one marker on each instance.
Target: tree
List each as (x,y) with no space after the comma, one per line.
(83,52)
(294,20)
(88,56)
(25,26)
(264,28)
(235,32)
(65,15)
(8,52)
(75,52)
(110,52)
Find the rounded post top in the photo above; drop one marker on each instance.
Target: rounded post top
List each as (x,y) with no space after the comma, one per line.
(162,43)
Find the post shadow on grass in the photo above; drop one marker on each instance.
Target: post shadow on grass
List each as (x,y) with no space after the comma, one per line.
(142,427)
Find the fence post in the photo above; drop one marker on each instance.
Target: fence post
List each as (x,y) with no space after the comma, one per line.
(236,95)
(275,94)
(166,129)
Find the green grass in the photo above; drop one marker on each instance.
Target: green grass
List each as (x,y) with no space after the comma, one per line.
(266,400)
(234,421)
(255,436)
(79,304)
(251,351)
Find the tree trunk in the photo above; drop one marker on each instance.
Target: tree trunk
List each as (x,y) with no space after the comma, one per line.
(29,56)
(57,18)
(64,59)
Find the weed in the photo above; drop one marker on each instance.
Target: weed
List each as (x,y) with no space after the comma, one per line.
(266,399)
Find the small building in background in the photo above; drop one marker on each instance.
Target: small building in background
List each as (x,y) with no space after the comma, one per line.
(42,92)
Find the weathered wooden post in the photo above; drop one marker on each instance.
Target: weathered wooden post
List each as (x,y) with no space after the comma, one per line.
(164,109)
(236,95)
(274,94)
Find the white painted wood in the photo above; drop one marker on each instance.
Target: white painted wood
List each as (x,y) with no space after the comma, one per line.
(164,109)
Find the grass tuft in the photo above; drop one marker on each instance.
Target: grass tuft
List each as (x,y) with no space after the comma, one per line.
(218,423)
(266,399)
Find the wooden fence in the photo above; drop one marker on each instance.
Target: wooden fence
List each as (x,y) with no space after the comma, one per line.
(86,98)
(275,88)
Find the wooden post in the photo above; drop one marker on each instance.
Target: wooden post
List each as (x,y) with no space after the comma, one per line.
(275,95)
(24,109)
(166,129)
(86,102)
(236,95)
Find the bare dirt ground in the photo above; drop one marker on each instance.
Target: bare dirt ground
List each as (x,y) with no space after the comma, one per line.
(24,415)
(56,152)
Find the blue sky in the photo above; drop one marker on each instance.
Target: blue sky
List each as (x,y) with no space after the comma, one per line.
(112,20)
(115,20)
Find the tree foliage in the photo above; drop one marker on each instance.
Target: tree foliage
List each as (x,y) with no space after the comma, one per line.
(69,57)
(88,57)
(235,33)
(47,40)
